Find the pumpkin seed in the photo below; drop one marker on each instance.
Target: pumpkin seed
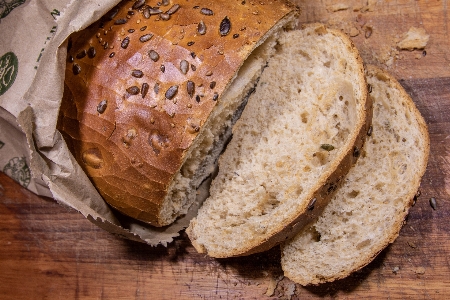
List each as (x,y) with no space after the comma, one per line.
(190,88)
(133,90)
(173,9)
(225,26)
(144,89)
(101,107)
(327,147)
(146,38)
(171,92)
(201,28)
(206,12)
(153,55)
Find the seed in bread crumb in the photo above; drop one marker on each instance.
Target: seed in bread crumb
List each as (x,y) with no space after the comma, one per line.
(356,152)
(420,271)
(433,203)
(395,270)
(327,147)
(412,245)
(312,203)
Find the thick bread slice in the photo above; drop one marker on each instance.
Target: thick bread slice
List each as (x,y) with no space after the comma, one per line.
(297,137)
(150,90)
(367,212)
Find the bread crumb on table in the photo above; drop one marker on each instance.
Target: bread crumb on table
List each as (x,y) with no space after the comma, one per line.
(415,38)
(420,270)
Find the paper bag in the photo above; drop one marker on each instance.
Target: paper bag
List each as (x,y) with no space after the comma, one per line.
(32,62)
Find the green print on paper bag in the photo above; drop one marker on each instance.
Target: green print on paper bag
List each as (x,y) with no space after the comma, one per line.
(18,170)
(9,65)
(6,6)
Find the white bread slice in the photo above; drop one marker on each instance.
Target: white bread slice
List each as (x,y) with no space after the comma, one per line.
(367,212)
(278,171)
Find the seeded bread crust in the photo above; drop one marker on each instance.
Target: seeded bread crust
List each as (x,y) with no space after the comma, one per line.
(368,211)
(318,196)
(130,115)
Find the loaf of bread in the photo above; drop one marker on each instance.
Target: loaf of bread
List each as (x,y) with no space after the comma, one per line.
(367,212)
(299,134)
(151,90)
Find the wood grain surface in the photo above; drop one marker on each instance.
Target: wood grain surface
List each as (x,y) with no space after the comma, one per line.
(51,252)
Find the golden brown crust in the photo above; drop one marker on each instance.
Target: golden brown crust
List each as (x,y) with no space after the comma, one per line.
(133,143)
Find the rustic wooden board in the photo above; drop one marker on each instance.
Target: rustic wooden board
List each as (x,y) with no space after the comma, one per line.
(51,252)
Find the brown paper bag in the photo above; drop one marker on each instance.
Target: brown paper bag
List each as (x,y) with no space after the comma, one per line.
(32,61)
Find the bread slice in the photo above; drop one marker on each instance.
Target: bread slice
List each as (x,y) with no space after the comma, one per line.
(298,135)
(367,212)
(151,91)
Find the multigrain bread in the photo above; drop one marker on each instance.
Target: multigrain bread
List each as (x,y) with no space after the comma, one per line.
(151,89)
(298,136)
(368,211)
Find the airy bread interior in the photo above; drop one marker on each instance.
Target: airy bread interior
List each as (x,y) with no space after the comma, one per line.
(367,212)
(201,159)
(296,128)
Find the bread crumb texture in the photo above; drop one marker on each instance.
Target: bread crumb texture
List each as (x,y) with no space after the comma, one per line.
(308,96)
(367,212)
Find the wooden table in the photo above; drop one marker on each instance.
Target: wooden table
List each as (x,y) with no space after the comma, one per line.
(51,252)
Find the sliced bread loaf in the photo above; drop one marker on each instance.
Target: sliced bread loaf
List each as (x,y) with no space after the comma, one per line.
(367,212)
(150,92)
(298,135)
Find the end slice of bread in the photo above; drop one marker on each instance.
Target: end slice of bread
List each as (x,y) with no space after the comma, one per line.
(298,136)
(368,210)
